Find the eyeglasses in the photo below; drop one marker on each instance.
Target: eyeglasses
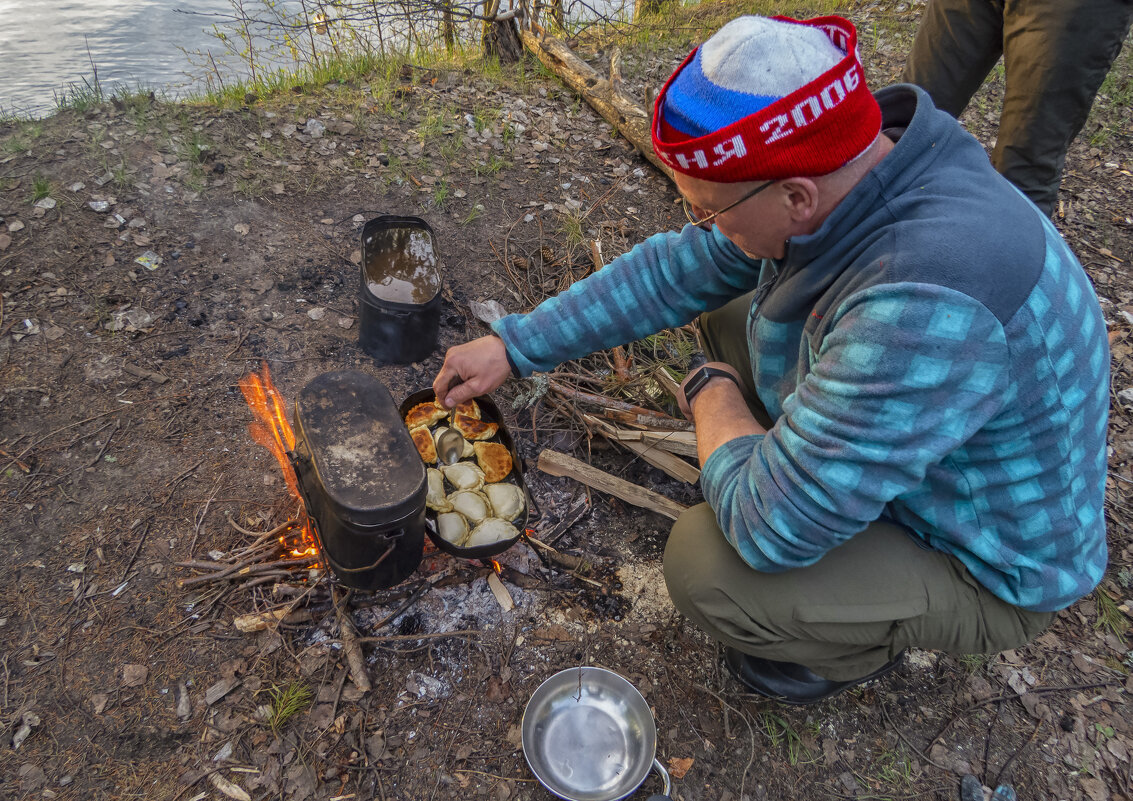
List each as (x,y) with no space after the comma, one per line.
(702,221)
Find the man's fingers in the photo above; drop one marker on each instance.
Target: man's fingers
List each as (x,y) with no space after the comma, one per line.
(459,394)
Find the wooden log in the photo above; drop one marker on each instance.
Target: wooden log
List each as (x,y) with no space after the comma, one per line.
(630,119)
(667,381)
(672,465)
(651,420)
(682,443)
(559,464)
(349,638)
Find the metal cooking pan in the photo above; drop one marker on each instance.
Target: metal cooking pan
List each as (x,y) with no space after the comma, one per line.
(588,735)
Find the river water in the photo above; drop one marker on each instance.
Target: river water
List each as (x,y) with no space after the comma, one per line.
(43,46)
(48,46)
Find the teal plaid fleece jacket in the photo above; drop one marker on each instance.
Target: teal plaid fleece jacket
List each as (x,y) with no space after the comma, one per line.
(933,354)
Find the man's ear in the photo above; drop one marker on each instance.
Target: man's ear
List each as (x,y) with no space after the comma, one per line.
(800,198)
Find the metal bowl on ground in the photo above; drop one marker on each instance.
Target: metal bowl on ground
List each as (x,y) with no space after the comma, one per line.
(588,735)
(491,413)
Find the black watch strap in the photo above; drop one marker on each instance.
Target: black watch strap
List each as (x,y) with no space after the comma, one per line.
(698,379)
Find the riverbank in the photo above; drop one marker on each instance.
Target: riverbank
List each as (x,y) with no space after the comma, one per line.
(151,254)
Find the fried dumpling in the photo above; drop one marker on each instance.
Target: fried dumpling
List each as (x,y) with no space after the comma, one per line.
(472,428)
(472,505)
(464,475)
(469,408)
(452,527)
(435,498)
(425,445)
(507,500)
(491,530)
(494,459)
(425,414)
(466,453)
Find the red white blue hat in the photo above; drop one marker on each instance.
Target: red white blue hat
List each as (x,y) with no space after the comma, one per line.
(765,99)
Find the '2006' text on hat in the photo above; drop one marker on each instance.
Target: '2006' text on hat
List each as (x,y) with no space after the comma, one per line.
(797,127)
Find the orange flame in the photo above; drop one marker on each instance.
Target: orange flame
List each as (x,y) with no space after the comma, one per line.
(272,430)
(496,566)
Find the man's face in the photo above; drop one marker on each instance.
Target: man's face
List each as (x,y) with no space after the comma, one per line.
(759,225)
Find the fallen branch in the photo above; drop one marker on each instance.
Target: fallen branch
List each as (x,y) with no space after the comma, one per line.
(673,466)
(610,405)
(350,646)
(434,636)
(631,120)
(559,464)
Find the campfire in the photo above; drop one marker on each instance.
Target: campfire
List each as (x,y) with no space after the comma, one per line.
(272,430)
(293,581)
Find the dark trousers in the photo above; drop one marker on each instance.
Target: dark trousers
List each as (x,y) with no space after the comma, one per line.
(853,610)
(1056,54)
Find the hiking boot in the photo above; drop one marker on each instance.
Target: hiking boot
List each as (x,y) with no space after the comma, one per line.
(789,683)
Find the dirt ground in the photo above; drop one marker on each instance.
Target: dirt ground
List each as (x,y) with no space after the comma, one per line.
(124,451)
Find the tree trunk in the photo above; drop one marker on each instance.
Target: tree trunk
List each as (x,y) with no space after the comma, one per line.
(631,120)
(448,29)
(646,8)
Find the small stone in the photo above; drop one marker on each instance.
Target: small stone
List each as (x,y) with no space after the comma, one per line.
(314,128)
(15,225)
(317,313)
(101,206)
(265,314)
(134,675)
(46,203)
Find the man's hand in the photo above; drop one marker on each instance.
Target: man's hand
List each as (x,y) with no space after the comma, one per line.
(474,368)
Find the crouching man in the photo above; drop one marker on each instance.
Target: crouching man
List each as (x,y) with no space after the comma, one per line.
(902,422)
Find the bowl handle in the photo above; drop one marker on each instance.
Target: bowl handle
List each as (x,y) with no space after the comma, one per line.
(666,784)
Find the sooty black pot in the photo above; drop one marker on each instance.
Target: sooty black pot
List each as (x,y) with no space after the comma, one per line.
(361,478)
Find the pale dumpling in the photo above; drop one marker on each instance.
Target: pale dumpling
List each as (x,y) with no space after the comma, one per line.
(467,451)
(452,527)
(464,475)
(435,499)
(491,530)
(472,505)
(507,500)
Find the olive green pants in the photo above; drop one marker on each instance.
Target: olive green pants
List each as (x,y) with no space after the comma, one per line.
(853,610)
(1056,53)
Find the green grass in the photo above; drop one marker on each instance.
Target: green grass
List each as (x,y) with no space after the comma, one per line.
(973,662)
(441,193)
(572,228)
(782,734)
(474,213)
(490,167)
(1110,618)
(195,148)
(40,188)
(22,138)
(893,769)
(79,96)
(286,703)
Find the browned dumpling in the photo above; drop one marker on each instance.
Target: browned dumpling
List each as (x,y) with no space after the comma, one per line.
(425,414)
(494,459)
(468,407)
(474,429)
(424,442)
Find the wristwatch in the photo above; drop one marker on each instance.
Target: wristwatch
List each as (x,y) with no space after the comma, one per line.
(699,378)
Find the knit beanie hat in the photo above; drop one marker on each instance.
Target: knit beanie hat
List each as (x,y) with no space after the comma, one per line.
(765,99)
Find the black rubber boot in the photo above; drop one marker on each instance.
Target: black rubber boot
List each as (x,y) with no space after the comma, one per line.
(789,683)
